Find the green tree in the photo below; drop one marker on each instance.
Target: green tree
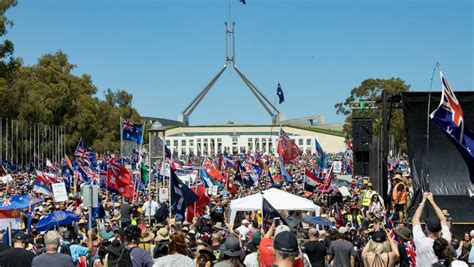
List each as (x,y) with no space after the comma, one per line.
(371,89)
(8,63)
(48,93)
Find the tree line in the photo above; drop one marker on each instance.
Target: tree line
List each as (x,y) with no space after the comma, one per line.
(48,93)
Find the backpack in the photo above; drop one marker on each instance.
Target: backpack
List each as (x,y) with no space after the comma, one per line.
(161,214)
(64,249)
(123,260)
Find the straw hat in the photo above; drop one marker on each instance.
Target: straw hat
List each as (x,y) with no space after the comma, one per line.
(117,204)
(162,234)
(147,236)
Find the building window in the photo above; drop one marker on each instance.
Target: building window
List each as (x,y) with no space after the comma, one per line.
(191,142)
(308,142)
(300,142)
(183,142)
(168,143)
(234,141)
(175,143)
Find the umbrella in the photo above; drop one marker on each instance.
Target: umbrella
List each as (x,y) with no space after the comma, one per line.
(19,202)
(316,220)
(57,218)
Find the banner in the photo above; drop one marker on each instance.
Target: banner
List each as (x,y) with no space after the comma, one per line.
(59,192)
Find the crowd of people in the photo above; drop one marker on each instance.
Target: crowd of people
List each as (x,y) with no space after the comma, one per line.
(362,228)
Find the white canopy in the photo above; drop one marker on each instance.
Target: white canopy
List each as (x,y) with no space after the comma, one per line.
(279,199)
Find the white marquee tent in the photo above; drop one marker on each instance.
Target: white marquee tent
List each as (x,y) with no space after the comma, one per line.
(279,199)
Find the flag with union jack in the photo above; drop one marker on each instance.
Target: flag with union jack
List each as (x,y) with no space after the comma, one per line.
(269,213)
(449,118)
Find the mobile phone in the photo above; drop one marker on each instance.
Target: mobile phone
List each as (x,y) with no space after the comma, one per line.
(277,221)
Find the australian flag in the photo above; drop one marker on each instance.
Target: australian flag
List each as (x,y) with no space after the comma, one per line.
(449,118)
(132,132)
(280,95)
(181,195)
(269,213)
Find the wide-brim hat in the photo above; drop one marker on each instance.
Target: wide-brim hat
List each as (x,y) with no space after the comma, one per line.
(147,236)
(404,232)
(162,234)
(208,251)
(231,247)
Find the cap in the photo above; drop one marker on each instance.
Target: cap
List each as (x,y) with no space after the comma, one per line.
(379,236)
(206,216)
(286,241)
(433,224)
(281,228)
(245,222)
(20,236)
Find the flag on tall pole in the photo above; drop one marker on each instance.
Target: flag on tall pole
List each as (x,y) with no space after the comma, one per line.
(287,148)
(449,118)
(281,96)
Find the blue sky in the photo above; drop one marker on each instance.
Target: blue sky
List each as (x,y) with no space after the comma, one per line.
(165,51)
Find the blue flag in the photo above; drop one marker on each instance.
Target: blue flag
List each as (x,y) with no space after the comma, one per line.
(132,132)
(181,195)
(285,174)
(320,156)
(281,96)
(207,180)
(449,118)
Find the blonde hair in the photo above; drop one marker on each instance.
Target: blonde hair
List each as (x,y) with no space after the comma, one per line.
(378,248)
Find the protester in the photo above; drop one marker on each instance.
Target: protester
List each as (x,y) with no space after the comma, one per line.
(399,196)
(435,225)
(286,248)
(341,251)
(232,253)
(17,255)
(149,208)
(139,256)
(315,249)
(445,255)
(177,253)
(51,257)
(380,251)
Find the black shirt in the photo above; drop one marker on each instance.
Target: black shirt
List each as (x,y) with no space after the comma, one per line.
(125,212)
(316,252)
(16,257)
(3,247)
(217,215)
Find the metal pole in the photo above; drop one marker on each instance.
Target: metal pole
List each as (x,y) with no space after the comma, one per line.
(90,207)
(121,138)
(16,144)
(149,176)
(384,149)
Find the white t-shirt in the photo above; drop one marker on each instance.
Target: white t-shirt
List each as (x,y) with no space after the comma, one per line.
(243,231)
(149,210)
(424,245)
(251,260)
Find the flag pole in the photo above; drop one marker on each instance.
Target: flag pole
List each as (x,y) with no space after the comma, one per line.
(428,130)
(121,140)
(149,176)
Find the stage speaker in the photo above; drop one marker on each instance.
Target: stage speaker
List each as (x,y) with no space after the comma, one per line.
(361,134)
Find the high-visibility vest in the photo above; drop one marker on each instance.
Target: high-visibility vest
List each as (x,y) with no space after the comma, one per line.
(367,198)
(399,197)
